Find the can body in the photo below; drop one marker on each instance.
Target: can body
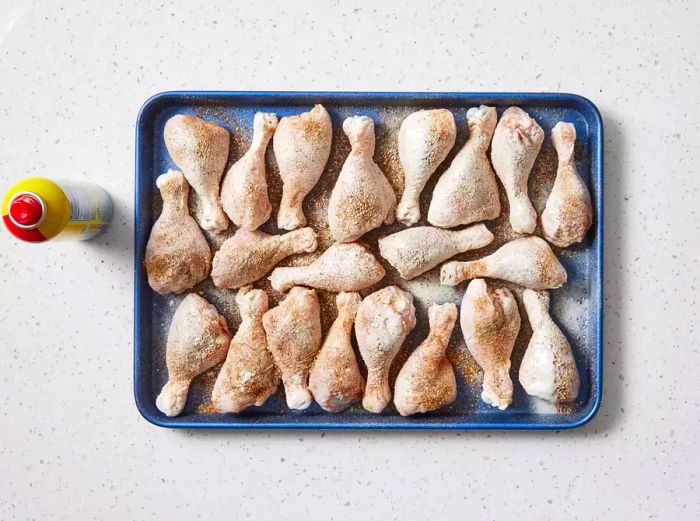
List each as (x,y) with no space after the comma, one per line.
(37,209)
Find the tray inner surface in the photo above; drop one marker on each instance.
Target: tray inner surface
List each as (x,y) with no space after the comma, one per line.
(575,307)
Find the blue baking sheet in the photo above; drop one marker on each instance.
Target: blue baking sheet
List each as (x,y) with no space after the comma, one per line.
(577,307)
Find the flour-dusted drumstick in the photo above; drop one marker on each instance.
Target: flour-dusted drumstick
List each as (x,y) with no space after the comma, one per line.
(528,261)
(248,376)
(548,369)
(416,250)
(425,139)
(335,380)
(516,143)
(342,267)
(302,144)
(362,198)
(568,214)
(468,192)
(382,323)
(177,254)
(250,255)
(490,323)
(427,381)
(244,188)
(198,340)
(200,150)
(294,337)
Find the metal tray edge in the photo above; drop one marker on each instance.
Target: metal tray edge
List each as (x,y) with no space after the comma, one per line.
(594,406)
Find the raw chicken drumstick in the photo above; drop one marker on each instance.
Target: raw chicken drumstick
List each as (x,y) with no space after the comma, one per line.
(293,337)
(197,341)
(177,254)
(248,377)
(250,255)
(200,150)
(548,369)
(417,250)
(335,380)
(383,321)
(568,214)
(302,144)
(425,139)
(515,146)
(527,261)
(490,323)
(244,188)
(426,381)
(467,192)
(342,267)
(362,198)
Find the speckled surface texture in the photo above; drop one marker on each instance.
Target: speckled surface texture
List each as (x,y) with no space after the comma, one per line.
(72,444)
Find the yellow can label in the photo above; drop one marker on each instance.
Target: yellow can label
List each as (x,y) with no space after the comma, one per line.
(73,210)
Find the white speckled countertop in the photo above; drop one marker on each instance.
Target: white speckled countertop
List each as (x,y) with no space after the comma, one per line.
(72,444)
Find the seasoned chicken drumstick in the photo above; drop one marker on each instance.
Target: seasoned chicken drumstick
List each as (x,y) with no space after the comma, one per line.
(425,139)
(302,144)
(528,261)
(490,324)
(548,369)
(383,321)
(362,198)
(248,376)
(568,214)
(250,255)
(244,188)
(416,250)
(516,143)
(335,380)
(197,341)
(293,337)
(200,150)
(342,267)
(467,192)
(177,254)
(427,381)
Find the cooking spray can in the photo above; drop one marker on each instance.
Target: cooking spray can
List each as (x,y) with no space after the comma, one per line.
(37,209)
